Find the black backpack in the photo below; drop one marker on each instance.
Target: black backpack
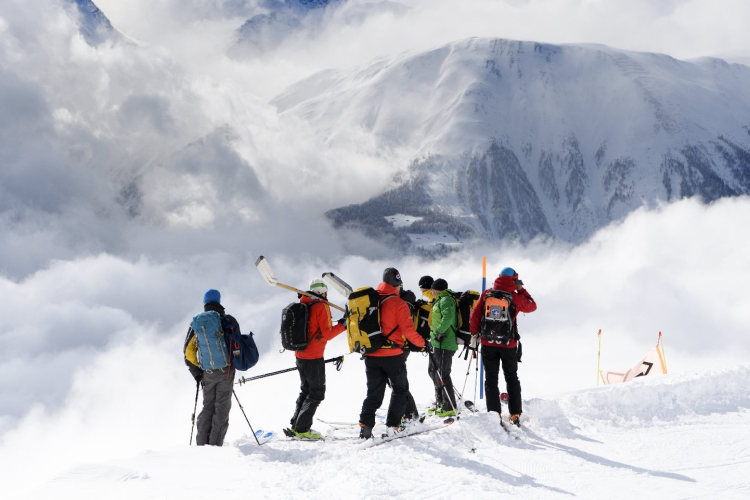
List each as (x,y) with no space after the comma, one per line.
(499,317)
(295,321)
(465,303)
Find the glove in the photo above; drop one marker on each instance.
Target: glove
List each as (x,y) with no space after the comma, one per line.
(474,342)
(427,347)
(196,372)
(440,337)
(342,321)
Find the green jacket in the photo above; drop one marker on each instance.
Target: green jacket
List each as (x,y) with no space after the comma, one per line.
(444,320)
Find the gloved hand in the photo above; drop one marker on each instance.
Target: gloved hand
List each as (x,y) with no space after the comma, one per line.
(440,337)
(196,372)
(474,342)
(342,321)
(427,347)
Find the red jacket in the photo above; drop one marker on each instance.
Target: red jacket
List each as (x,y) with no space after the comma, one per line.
(394,312)
(522,300)
(319,330)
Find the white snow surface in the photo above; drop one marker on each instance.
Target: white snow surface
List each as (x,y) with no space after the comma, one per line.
(402,220)
(685,436)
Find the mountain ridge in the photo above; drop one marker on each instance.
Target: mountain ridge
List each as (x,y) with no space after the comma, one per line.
(526,139)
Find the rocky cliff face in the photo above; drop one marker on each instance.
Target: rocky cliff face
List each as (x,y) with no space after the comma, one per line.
(520,139)
(94,25)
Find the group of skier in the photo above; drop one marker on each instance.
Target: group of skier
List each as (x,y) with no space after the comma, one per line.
(492,322)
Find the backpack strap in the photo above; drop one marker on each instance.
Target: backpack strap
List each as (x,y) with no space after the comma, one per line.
(314,302)
(387,337)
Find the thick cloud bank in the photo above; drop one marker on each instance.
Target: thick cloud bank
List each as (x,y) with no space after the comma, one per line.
(95,343)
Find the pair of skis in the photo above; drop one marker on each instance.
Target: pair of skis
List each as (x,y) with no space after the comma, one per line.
(264,268)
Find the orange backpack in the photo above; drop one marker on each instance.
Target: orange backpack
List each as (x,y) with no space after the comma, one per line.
(499,319)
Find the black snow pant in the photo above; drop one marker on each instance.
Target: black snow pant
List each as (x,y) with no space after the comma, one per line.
(411,411)
(441,361)
(492,357)
(379,371)
(213,420)
(312,391)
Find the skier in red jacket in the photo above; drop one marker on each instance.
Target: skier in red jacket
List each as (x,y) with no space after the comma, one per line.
(387,364)
(310,364)
(497,352)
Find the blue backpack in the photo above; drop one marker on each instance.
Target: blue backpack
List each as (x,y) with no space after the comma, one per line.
(244,352)
(212,347)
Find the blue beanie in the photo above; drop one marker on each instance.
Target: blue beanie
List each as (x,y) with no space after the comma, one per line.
(212,295)
(508,271)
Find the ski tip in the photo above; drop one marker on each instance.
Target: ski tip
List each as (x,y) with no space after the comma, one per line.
(258,260)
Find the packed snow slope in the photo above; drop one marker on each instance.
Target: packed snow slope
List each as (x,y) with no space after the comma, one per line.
(519,139)
(662,437)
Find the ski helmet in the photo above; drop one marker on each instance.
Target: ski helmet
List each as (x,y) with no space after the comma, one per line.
(392,277)
(318,286)
(508,271)
(425,282)
(212,295)
(439,285)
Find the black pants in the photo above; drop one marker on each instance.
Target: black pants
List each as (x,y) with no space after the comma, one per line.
(441,361)
(379,371)
(492,357)
(213,420)
(312,376)
(411,411)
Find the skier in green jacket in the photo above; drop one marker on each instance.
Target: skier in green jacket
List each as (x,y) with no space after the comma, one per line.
(443,340)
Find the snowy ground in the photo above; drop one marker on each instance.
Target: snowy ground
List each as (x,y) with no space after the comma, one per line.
(664,437)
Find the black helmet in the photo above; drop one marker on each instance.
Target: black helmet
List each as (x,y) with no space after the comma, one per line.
(425,282)
(439,285)
(392,277)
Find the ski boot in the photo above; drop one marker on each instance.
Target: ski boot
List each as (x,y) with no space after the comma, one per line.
(310,435)
(392,432)
(365,431)
(515,419)
(446,413)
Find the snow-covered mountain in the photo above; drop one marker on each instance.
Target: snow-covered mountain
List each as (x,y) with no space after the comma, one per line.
(519,139)
(94,25)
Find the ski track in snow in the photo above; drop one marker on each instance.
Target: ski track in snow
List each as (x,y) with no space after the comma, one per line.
(668,437)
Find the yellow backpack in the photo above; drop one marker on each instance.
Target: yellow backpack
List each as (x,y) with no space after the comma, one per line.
(363,321)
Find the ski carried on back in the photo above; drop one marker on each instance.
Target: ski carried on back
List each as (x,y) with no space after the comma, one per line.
(338,284)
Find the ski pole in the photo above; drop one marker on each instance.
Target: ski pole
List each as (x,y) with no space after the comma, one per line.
(246,420)
(195,408)
(440,377)
(599,360)
(476,372)
(484,287)
(337,361)
(468,370)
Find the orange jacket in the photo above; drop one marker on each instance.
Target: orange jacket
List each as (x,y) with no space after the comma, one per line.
(319,329)
(395,314)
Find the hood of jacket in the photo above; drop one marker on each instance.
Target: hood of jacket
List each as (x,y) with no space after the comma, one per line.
(505,283)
